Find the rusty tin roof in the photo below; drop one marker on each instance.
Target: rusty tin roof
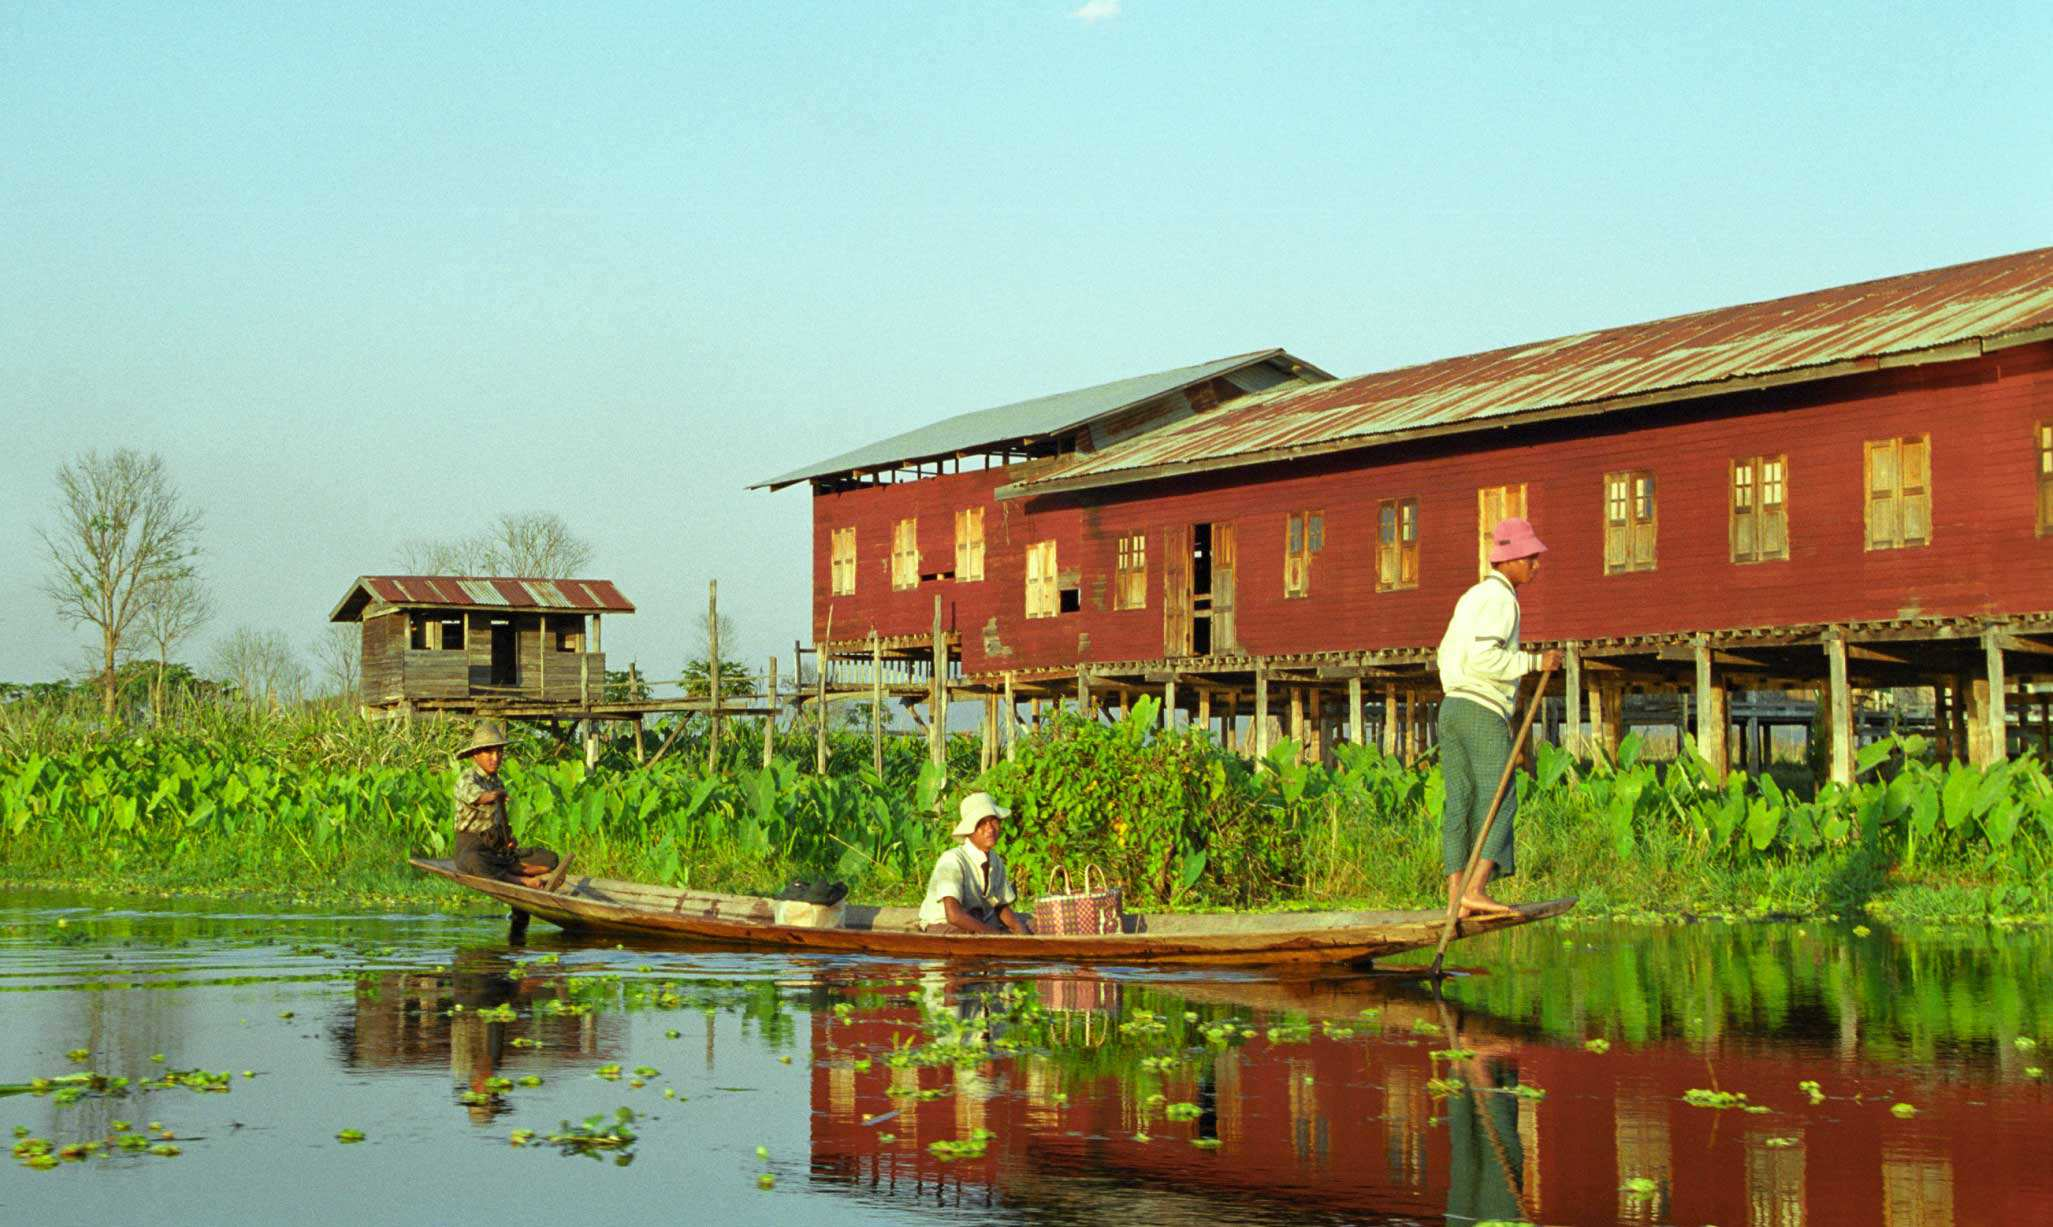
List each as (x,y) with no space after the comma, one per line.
(1942,314)
(480,592)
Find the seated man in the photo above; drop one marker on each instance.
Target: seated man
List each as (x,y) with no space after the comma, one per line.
(968,891)
(484,840)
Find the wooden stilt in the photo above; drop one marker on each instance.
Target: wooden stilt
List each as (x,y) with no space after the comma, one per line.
(876,704)
(1297,721)
(1205,710)
(1998,714)
(937,701)
(820,701)
(1710,714)
(1169,704)
(1011,722)
(1083,693)
(1261,731)
(713,673)
(1572,699)
(634,685)
(769,721)
(1411,725)
(1390,721)
(1315,727)
(1354,711)
(989,755)
(1839,721)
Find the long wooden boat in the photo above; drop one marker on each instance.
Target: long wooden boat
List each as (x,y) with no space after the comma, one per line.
(606,907)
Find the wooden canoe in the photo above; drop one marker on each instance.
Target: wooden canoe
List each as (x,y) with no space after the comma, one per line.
(607,907)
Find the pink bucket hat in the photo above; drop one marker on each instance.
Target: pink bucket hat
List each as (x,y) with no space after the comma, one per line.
(1514,539)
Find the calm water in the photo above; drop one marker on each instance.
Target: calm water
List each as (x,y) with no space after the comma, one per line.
(1124,1097)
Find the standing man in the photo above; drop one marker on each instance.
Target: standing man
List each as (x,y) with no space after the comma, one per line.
(1480,667)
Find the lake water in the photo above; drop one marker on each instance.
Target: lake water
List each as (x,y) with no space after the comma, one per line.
(1055,1095)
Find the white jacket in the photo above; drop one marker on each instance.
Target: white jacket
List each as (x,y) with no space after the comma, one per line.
(1479,658)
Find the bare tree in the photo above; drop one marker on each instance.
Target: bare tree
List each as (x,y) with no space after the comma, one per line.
(262,667)
(529,544)
(173,610)
(339,652)
(123,530)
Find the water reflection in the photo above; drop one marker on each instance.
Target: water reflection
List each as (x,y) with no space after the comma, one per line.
(1049,1094)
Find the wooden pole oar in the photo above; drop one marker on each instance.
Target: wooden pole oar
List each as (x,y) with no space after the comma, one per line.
(1475,854)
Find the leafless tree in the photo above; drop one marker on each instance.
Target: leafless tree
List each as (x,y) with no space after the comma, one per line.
(173,611)
(529,544)
(262,667)
(123,531)
(339,652)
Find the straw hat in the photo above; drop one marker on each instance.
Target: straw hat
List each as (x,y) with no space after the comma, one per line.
(488,735)
(974,809)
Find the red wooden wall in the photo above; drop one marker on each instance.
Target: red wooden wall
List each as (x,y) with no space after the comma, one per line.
(1985,558)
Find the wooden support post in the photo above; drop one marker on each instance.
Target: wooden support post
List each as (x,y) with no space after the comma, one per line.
(1011,722)
(1083,694)
(1205,709)
(634,686)
(820,702)
(937,730)
(2046,726)
(1261,710)
(770,720)
(988,753)
(1315,727)
(1390,721)
(1998,713)
(1169,705)
(1572,699)
(1839,718)
(1411,725)
(591,745)
(1297,720)
(876,704)
(713,673)
(1354,711)
(1605,700)
(1710,714)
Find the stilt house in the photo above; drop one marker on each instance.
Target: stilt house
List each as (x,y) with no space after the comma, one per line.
(1846,488)
(467,644)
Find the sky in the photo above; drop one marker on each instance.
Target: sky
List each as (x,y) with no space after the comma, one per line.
(369,273)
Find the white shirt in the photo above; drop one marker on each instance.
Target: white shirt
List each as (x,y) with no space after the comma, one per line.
(1479,657)
(960,875)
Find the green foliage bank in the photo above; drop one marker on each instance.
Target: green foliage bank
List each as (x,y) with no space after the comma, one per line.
(333,806)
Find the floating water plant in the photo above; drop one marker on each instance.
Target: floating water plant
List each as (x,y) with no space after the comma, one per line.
(1780,1143)
(1600,1045)
(971,1147)
(1182,1111)
(1452,1054)
(1700,1098)
(1903,1111)
(1205,1143)
(1811,1089)
(1442,1087)
(610,1072)
(347,1136)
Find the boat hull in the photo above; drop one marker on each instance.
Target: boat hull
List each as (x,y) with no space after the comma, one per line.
(607,907)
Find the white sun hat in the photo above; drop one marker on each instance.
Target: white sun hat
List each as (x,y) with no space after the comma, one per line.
(974,809)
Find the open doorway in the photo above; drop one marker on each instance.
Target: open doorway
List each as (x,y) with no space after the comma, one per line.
(1201,589)
(505,662)
(1198,617)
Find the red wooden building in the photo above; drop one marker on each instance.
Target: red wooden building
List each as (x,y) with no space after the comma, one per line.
(1845,489)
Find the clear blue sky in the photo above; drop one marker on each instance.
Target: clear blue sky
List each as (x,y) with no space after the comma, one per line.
(369,272)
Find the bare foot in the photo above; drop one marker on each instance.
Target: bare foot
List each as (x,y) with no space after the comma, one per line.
(1484,905)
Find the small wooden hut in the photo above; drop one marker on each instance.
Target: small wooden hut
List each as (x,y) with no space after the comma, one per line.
(471,643)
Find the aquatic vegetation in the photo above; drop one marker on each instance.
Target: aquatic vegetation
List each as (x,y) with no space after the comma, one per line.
(1781,1143)
(1813,1090)
(1181,1111)
(1700,1098)
(971,1147)
(595,1134)
(1903,1111)
(348,1136)
(1599,1045)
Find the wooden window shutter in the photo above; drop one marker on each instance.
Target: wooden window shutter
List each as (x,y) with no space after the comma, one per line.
(1617,523)
(2044,439)
(1386,545)
(1408,542)
(1294,555)
(1774,504)
(969,544)
(1745,524)
(1914,491)
(1643,521)
(1878,466)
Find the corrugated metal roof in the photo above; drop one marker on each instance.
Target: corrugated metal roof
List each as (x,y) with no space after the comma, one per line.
(481,592)
(1917,316)
(1037,418)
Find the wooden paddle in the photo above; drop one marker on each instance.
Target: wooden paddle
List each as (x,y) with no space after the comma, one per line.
(1475,854)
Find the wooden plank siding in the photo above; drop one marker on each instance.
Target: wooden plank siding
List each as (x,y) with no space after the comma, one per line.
(1986,556)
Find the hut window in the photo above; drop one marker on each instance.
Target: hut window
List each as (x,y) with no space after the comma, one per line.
(1304,536)
(1494,505)
(1397,544)
(841,566)
(452,634)
(569,634)
(1042,600)
(905,554)
(969,544)
(2044,433)
(418,636)
(1130,589)
(1628,522)
(1899,486)
(1760,509)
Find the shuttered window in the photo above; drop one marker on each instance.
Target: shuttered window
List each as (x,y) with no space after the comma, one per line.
(1397,544)
(1899,485)
(969,544)
(1628,522)
(1304,536)
(1494,505)
(1042,600)
(905,554)
(1760,509)
(2043,437)
(841,563)
(1130,584)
